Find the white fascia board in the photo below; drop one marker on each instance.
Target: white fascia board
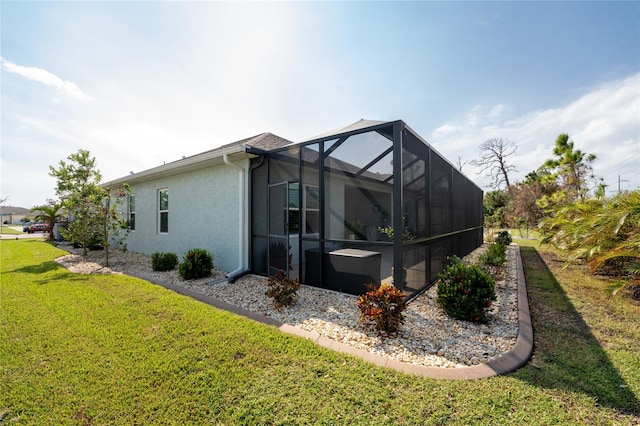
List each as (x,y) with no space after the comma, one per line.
(198,161)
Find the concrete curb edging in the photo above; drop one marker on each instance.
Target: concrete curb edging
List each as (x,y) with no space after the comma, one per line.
(510,361)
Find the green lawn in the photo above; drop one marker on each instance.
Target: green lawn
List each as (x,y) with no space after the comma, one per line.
(117,350)
(9,230)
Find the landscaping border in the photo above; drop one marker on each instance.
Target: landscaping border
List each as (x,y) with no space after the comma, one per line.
(510,361)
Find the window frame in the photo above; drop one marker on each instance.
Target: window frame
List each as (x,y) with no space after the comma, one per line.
(131,211)
(162,211)
(293,219)
(306,209)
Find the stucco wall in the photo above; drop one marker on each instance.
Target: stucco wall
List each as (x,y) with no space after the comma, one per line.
(203,213)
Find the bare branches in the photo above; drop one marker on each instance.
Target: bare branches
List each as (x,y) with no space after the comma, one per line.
(493,157)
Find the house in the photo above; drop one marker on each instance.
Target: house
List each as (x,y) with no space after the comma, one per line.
(15,215)
(325,210)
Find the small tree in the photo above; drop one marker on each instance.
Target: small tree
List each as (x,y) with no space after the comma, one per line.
(523,211)
(113,225)
(571,166)
(49,214)
(77,187)
(93,209)
(493,157)
(494,204)
(529,199)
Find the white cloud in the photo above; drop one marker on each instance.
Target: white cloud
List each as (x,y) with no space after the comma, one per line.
(445,130)
(47,78)
(497,111)
(605,121)
(221,72)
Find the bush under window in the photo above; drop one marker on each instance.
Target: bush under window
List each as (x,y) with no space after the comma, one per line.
(161,261)
(197,263)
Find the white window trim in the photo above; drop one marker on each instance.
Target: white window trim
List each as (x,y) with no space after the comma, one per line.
(130,211)
(160,190)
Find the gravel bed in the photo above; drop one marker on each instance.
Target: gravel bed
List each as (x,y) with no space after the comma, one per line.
(428,337)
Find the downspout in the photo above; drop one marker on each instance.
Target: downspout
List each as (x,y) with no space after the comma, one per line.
(241,269)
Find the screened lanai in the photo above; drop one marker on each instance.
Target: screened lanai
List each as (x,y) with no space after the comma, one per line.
(369,203)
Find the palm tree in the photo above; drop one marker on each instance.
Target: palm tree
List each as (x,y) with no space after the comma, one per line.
(622,222)
(603,232)
(49,214)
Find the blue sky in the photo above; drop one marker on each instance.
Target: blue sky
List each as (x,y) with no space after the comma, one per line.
(139,83)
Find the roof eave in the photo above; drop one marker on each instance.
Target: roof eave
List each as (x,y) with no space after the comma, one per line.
(195,162)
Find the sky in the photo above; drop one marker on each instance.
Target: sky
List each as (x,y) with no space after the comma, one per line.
(141,83)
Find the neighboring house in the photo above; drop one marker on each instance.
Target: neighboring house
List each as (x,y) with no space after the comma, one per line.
(14,215)
(324,210)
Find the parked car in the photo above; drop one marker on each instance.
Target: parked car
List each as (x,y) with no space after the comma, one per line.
(38,227)
(25,226)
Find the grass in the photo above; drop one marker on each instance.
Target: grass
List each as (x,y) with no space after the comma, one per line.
(586,340)
(98,349)
(6,230)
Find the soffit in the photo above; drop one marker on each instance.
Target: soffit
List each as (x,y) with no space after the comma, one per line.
(235,151)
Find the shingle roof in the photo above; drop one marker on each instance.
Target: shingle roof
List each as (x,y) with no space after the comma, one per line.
(264,141)
(15,210)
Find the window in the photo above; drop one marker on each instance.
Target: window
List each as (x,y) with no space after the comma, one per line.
(311,210)
(294,208)
(163,211)
(132,212)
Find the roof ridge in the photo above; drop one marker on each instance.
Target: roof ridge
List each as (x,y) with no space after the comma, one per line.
(357,125)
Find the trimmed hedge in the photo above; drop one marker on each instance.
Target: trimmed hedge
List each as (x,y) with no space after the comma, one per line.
(496,255)
(504,238)
(197,263)
(161,261)
(465,292)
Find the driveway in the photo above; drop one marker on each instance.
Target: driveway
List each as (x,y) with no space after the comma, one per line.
(21,235)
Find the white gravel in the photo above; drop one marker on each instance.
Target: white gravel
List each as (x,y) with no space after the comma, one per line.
(428,337)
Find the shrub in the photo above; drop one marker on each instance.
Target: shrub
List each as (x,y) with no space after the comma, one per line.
(489,235)
(383,305)
(282,289)
(495,255)
(161,261)
(465,292)
(197,263)
(92,244)
(504,238)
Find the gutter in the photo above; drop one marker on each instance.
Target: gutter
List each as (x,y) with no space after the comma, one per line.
(178,166)
(242,225)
